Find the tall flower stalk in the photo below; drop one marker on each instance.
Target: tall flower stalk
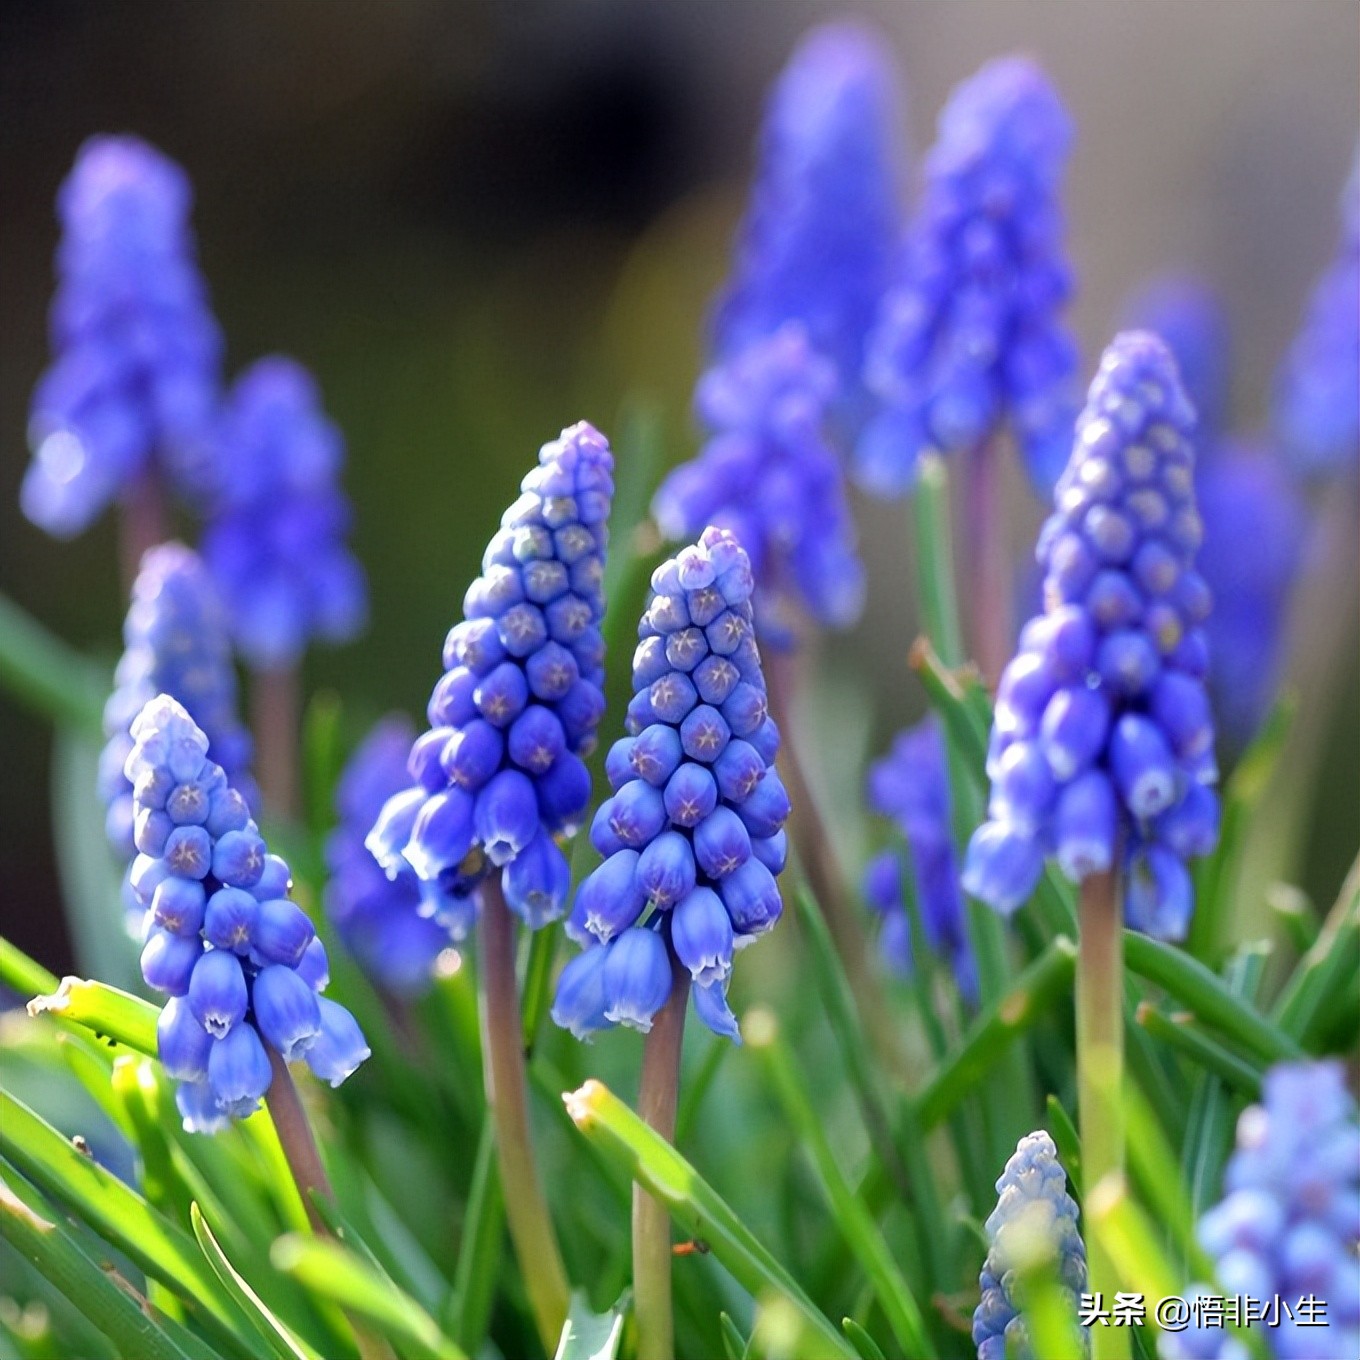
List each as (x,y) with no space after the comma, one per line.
(1102,746)
(500,774)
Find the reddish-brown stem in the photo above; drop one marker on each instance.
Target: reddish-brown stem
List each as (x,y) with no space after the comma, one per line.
(991,575)
(274,705)
(141,525)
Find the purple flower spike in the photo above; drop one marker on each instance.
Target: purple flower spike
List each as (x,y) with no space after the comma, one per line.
(1288,1226)
(1102,734)
(911,785)
(819,235)
(692,834)
(276,538)
(500,774)
(248,972)
(1317,389)
(769,474)
(133,388)
(176,643)
(972,337)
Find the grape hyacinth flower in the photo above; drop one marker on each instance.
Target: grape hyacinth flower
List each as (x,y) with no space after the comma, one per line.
(1288,1226)
(1317,389)
(911,785)
(275,541)
(971,336)
(176,643)
(692,834)
(769,475)
(1102,744)
(500,772)
(818,238)
(239,961)
(1035,1220)
(378,918)
(134,384)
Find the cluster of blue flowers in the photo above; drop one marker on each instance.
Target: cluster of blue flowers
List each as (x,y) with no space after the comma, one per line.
(1103,740)
(693,832)
(176,643)
(1245,495)
(378,917)
(1317,390)
(132,391)
(819,235)
(276,538)
(1289,1224)
(500,771)
(971,336)
(911,785)
(239,960)
(769,475)
(1034,1219)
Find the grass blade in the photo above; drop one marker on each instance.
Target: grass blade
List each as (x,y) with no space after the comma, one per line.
(1181,1033)
(695,1206)
(22,974)
(112,1014)
(587,1335)
(42,671)
(479,1254)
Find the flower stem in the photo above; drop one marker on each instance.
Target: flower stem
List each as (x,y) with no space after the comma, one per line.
(141,525)
(309,1175)
(526,1213)
(657,1096)
(275,703)
(1100,1064)
(991,574)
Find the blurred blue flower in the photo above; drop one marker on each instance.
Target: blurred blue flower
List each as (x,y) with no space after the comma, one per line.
(1035,1218)
(238,959)
(911,785)
(501,772)
(133,387)
(176,643)
(817,242)
(769,475)
(693,834)
(1317,389)
(1102,741)
(1288,1226)
(275,539)
(971,338)
(378,917)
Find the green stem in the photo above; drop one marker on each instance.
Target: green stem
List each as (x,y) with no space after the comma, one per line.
(658,1093)
(274,698)
(937,595)
(526,1212)
(1100,1068)
(43,672)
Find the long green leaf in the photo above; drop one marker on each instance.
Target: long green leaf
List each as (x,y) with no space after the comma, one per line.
(1182,1034)
(24,975)
(856,1223)
(330,1270)
(117,1212)
(588,1335)
(694,1205)
(51,677)
(279,1339)
(937,596)
(1326,968)
(480,1251)
(117,1312)
(112,1014)
(1203,992)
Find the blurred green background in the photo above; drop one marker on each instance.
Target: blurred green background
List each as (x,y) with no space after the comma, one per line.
(479,222)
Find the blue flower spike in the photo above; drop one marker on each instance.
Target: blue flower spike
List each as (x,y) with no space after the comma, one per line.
(500,772)
(134,384)
(275,540)
(972,338)
(911,785)
(1288,1226)
(1317,388)
(176,642)
(692,833)
(1035,1221)
(378,917)
(239,961)
(1102,745)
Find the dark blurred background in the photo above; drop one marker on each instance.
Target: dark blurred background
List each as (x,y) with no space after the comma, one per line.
(479,222)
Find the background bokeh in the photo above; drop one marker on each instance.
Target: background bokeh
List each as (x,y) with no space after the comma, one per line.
(478,222)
